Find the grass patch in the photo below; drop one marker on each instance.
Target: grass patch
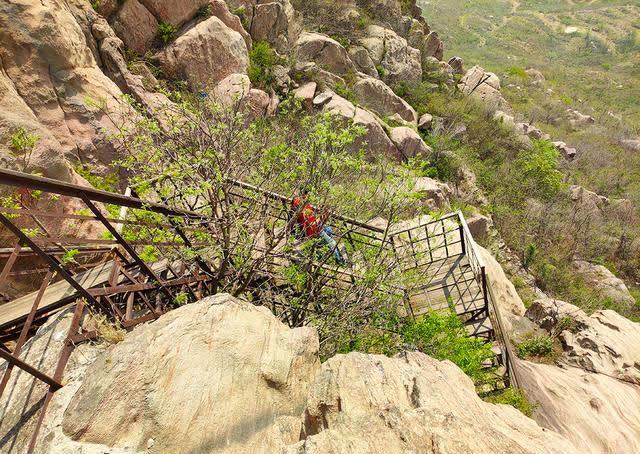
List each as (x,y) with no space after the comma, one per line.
(516,398)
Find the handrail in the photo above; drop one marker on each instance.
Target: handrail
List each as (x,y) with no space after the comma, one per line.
(18,179)
(504,339)
(282,198)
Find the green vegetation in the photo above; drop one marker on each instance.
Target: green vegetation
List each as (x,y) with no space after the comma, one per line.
(443,336)
(262,59)
(528,199)
(22,143)
(342,89)
(69,257)
(515,398)
(540,346)
(289,153)
(166,32)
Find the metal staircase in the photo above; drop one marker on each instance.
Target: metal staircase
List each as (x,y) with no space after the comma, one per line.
(440,255)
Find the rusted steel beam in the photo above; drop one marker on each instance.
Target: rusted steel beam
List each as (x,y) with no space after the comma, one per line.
(125,245)
(19,179)
(11,359)
(27,252)
(25,329)
(53,263)
(10,262)
(67,349)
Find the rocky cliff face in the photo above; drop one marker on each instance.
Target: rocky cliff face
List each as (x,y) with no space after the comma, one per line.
(222,375)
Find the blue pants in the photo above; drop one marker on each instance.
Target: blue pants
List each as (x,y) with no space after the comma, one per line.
(326,237)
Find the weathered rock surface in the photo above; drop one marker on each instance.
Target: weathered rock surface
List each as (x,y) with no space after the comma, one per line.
(598,414)
(243,374)
(604,342)
(411,403)
(324,51)
(375,141)
(48,71)
(306,93)
(506,296)
(409,142)
(485,86)
(436,192)
(174,12)
(425,122)
(232,89)
(433,46)
(220,9)
(566,151)
(401,62)
(479,225)
(23,393)
(631,144)
(206,54)
(579,120)
(136,26)
(363,61)
(457,63)
(377,96)
(276,22)
(603,280)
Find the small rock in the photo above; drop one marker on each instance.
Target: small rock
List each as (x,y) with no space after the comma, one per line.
(457,64)
(306,92)
(425,122)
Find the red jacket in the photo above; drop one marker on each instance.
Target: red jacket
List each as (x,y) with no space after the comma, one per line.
(307,218)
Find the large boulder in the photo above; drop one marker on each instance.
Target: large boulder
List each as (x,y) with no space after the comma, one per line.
(206,54)
(605,342)
(375,140)
(220,9)
(409,142)
(363,61)
(219,375)
(411,403)
(597,413)
(435,192)
(276,22)
(136,26)
(605,282)
(399,61)
(433,46)
(174,12)
(485,86)
(324,51)
(377,96)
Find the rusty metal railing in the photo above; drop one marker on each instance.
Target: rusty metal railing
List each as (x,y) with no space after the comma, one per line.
(135,289)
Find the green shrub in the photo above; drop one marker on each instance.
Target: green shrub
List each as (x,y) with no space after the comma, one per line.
(515,398)
(444,336)
(166,32)
(342,89)
(262,59)
(381,71)
(517,71)
(536,346)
